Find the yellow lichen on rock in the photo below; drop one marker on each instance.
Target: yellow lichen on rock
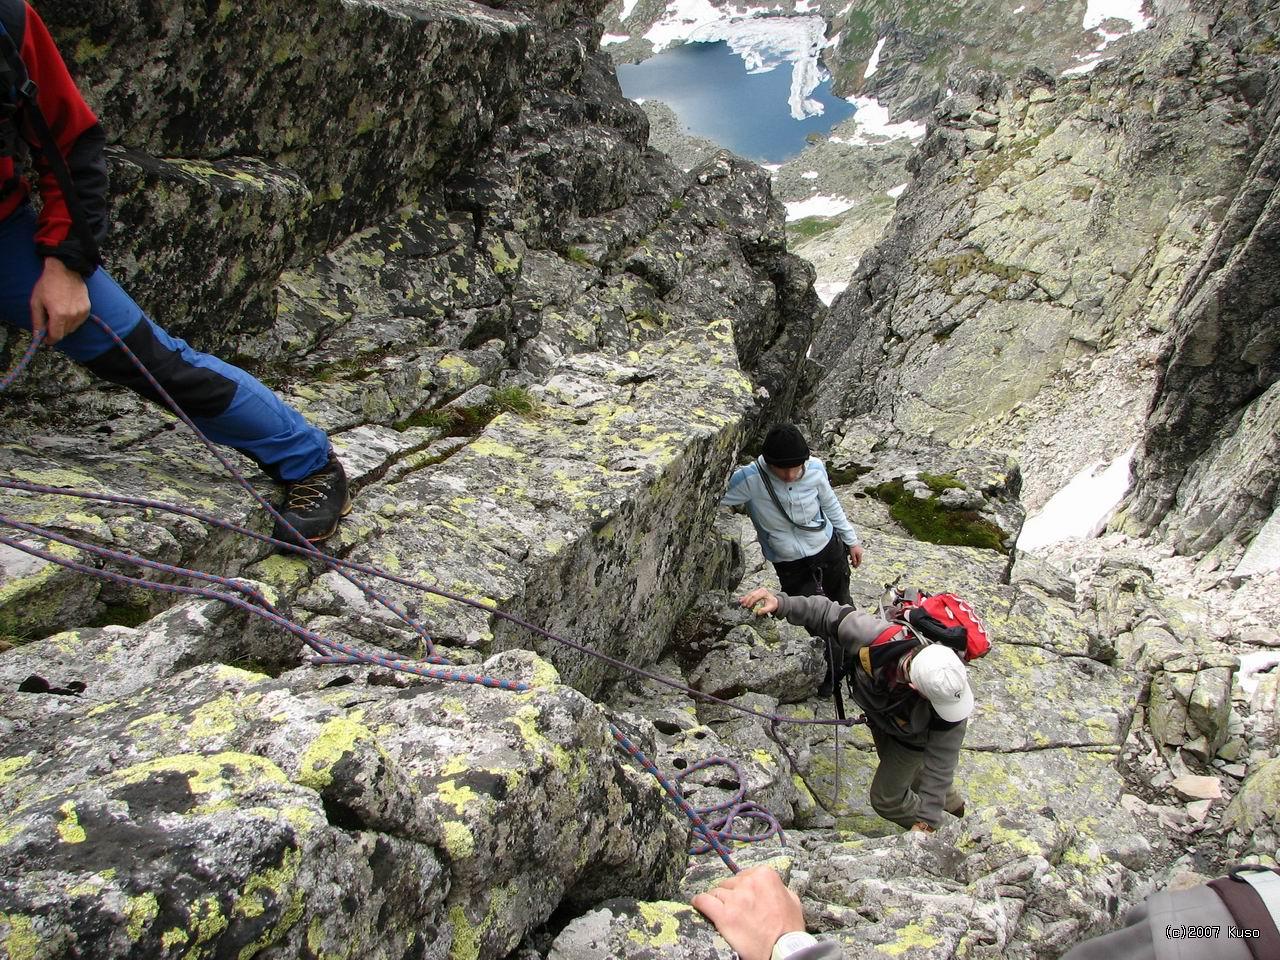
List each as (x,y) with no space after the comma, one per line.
(336,738)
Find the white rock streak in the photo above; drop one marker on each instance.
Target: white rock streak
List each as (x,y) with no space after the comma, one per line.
(1080,509)
(874,62)
(1263,554)
(762,42)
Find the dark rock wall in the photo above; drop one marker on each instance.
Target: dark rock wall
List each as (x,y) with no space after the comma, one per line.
(367,102)
(1206,472)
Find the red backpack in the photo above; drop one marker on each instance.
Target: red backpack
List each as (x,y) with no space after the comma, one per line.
(937,618)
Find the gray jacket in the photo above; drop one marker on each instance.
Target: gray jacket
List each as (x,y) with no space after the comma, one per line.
(1191,924)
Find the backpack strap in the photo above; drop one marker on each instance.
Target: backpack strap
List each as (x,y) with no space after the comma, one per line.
(25,90)
(835,654)
(12,23)
(1252,894)
(773,495)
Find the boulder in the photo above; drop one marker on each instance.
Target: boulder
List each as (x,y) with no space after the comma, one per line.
(222,809)
(1251,817)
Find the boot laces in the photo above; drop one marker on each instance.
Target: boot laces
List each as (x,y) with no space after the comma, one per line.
(309,492)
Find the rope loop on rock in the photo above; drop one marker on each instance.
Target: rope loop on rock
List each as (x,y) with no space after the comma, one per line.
(730,811)
(711,838)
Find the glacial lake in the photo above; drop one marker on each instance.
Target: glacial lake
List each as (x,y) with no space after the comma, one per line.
(710,90)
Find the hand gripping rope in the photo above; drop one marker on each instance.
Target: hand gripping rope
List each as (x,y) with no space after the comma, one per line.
(712,832)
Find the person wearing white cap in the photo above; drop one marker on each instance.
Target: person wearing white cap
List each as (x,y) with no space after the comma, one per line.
(916,697)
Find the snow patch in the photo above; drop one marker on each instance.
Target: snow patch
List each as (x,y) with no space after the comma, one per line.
(627,7)
(809,175)
(609,38)
(771,167)
(1097,13)
(1082,508)
(1021,8)
(874,62)
(1253,664)
(827,292)
(1100,10)
(896,192)
(872,123)
(819,207)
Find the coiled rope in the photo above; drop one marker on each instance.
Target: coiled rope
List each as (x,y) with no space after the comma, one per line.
(716,834)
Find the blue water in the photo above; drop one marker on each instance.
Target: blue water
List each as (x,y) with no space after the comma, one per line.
(710,90)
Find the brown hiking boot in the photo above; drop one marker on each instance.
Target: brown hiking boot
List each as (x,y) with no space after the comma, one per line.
(314,505)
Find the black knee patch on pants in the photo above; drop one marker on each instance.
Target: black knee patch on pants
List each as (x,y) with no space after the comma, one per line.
(198,391)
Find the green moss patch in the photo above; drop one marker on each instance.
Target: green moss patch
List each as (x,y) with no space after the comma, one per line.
(928,520)
(952,269)
(843,476)
(808,227)
(937,482)
(471,421)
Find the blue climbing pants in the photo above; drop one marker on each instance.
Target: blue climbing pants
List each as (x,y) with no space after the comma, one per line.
(228,405)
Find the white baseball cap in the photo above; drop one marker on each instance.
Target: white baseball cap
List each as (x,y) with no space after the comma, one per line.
(940,677)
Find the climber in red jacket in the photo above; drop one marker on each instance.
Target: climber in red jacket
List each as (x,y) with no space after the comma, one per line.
(51,281)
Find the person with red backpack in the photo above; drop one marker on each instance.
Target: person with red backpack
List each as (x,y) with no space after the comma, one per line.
(916,697)
(51,282)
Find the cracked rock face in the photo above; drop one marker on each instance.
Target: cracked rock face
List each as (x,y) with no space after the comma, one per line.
(1206,474)
(205,84)
(1041,251)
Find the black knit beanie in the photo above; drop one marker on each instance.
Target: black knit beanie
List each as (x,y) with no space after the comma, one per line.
(785,446)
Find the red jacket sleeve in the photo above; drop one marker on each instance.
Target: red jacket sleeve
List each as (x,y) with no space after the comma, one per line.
(79,139)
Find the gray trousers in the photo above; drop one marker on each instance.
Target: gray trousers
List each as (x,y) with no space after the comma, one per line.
(893,788)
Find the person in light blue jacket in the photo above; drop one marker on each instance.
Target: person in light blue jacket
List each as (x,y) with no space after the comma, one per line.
(802,529)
